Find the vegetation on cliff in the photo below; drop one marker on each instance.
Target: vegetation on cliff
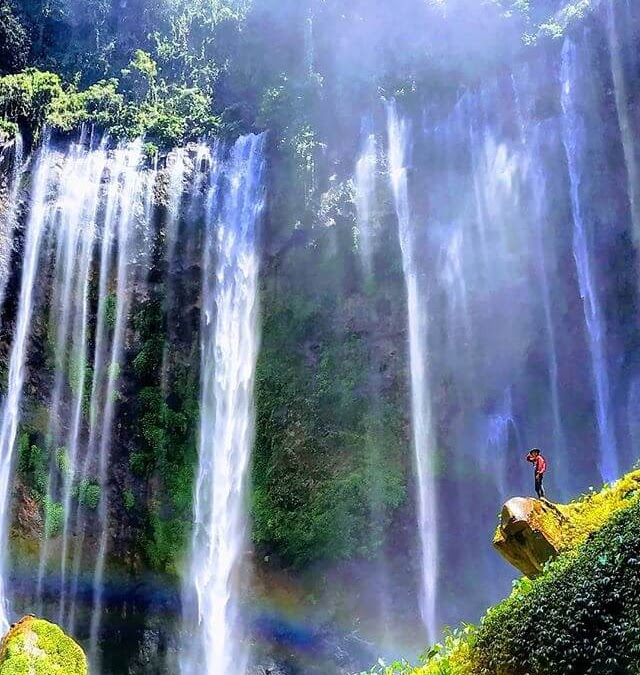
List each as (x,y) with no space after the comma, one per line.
(36,647)
(581,616)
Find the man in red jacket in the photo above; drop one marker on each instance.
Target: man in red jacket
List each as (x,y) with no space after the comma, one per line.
(539,469)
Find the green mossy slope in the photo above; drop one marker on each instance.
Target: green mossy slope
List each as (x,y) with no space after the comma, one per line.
(37,647)
(581,616)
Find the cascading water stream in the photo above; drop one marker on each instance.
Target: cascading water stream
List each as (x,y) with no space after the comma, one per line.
(423,436)
(365,189)
(9,216)
(37,222)
(177,168)
(574,138)
(77,205)
(88,174)
(539,192)
(229,343)
(627,122)
(131,194)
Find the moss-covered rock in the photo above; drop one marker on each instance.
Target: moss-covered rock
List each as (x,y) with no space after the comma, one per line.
(532,532)
(36,647)
(527,536)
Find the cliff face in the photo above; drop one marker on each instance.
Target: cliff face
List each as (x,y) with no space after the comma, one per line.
(494,178)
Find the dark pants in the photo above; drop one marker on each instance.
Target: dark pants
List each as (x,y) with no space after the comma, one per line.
(539,488)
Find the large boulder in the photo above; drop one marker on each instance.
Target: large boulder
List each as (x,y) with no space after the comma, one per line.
(529,534)
(533,531)
(36,647)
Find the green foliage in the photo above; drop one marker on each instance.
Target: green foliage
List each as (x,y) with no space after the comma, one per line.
(62,461)
(453,656)
(38,647)
(53,517)
(33,98)
(14,40)
(8,131)
(149,358)
(88,493)
(110,310)
(327,476)
(169,115)
(556,26)
(166,543)
(581,616)
(165,451)
(129,500)
(584,611)
(33,465)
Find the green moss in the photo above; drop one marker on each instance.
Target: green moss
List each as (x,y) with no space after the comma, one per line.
(129,500)
(53,517)
(88,494)
(588,514)
(328,475)
(37,647)
(33,465)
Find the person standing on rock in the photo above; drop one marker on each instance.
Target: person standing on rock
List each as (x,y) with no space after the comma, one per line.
(539,469)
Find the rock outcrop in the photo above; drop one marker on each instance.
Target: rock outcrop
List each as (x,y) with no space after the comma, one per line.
(529,534)
(36,646)
(533,531)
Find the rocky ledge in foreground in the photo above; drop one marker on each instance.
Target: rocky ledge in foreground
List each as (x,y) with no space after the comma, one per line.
(528,535)
(532,531)
(36,647)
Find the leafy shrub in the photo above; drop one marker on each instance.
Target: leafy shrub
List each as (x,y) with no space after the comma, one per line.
(53,517)
(128,499)
(454,656)
(33,465)
(14,40)
(581,616)
(138,105)
(88,494)
(165,547)
(62,461)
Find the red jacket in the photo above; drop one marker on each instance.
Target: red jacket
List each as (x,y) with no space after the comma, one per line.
(539,464)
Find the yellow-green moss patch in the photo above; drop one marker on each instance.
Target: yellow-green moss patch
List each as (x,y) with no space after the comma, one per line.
(36,647)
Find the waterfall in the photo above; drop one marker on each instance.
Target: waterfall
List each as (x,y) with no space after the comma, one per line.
(365,186)
(9,215)
(130,190)
(500,423)
(37,222)
(176,168)
(229,343)
(77,201)
(423,436)
(83,200)
(628,128)
(574,138)
(539,196)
